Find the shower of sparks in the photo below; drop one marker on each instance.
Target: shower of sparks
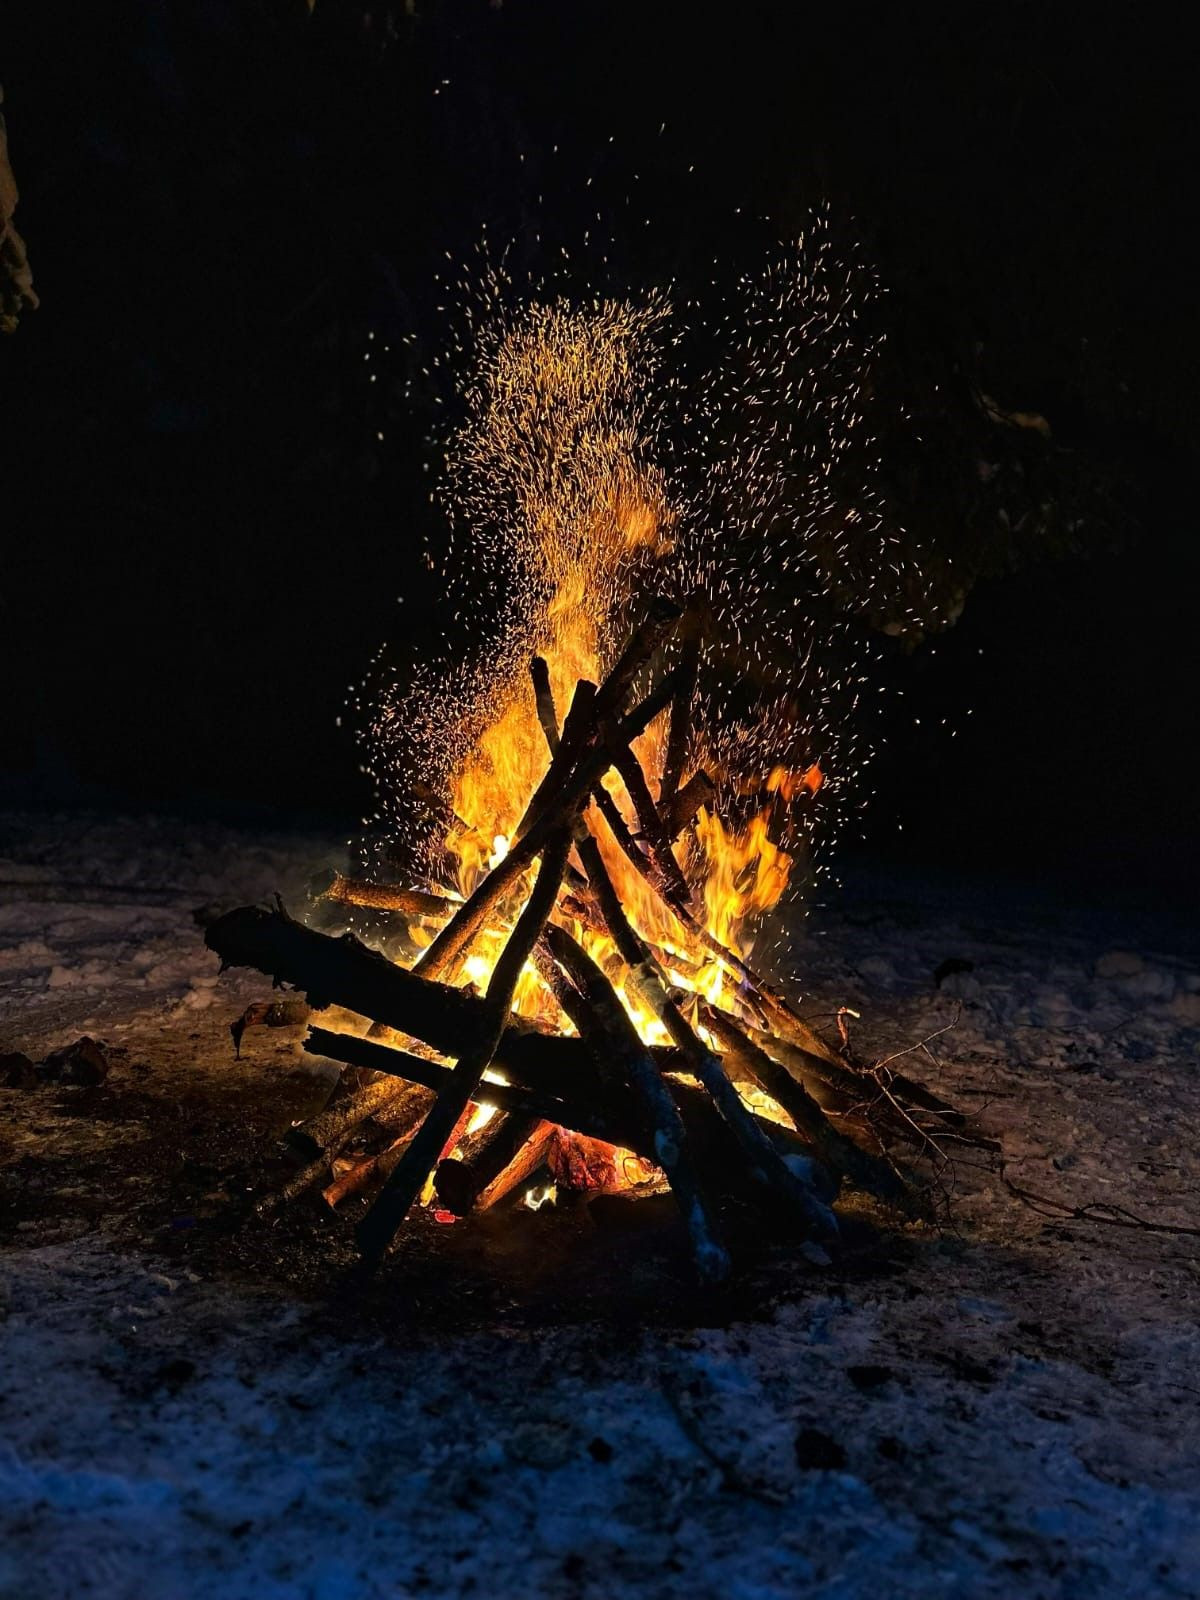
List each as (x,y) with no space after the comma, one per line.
(610,448)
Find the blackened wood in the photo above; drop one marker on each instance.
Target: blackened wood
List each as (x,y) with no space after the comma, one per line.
(666,872)
(835,1148)
(475,1168)
(592,710)
(510,1097)
(602,1016)
(319,1133)
(662,616)
(681,722)
(343,971)
(374,1168)
(644,976)
(378,1228)
(598,1115)
(544,699)
(698,791)
(588,999)
(887,1101)
(813,1070)
(588,769)
(607,806)
(552,803)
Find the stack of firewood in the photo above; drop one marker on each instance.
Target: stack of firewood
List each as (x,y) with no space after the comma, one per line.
(685,1106)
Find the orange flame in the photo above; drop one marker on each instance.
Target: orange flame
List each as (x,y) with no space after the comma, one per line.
(549,442)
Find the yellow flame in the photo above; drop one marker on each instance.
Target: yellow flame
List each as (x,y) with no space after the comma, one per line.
(548,442)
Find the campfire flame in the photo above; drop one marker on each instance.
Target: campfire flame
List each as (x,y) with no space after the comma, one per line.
(554,429)
(649,901)
(561,519)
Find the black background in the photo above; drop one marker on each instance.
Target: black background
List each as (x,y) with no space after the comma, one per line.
(203,543)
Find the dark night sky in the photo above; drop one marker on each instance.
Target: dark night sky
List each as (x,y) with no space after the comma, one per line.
(201,547)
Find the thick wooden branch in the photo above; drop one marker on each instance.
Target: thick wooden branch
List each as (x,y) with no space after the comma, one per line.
(415,904)
(835,1148)
(681,722)
(344,972)
(550,807)
(543,696)
(326,1131)
(698,791)
(665,871)
(466,1177)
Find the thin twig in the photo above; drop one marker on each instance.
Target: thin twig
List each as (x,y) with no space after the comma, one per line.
(1094,1211)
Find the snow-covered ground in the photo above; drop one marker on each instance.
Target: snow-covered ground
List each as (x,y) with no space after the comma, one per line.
(195,1404)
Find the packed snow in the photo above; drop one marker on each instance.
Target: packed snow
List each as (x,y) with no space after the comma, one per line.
(1005,1406)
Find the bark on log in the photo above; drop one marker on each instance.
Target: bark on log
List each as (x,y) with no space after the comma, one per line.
(345,972)
(320,1133)
(543,696)
(665,870)
(549,808)
(883,1101)
(698,791)
(415,904)
(373,1168)
(590,1002)
(586,772)
(516,1098)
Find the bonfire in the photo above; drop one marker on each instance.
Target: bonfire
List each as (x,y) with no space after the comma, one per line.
(562,992)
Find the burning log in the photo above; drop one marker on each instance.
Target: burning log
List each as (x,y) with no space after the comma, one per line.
(681,723)
(710,1257)
(377,1230)
(665,872)
(681,810)
(557,799)
(403,1118)
(543,696)
(652,990)
(510,1097)
(613,1121)
(838,1151)
(345,972)
(573,1100)
(320,1133)
(415,904)
(509,1149)
(319,1141)
(574,779)
(599,1015)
